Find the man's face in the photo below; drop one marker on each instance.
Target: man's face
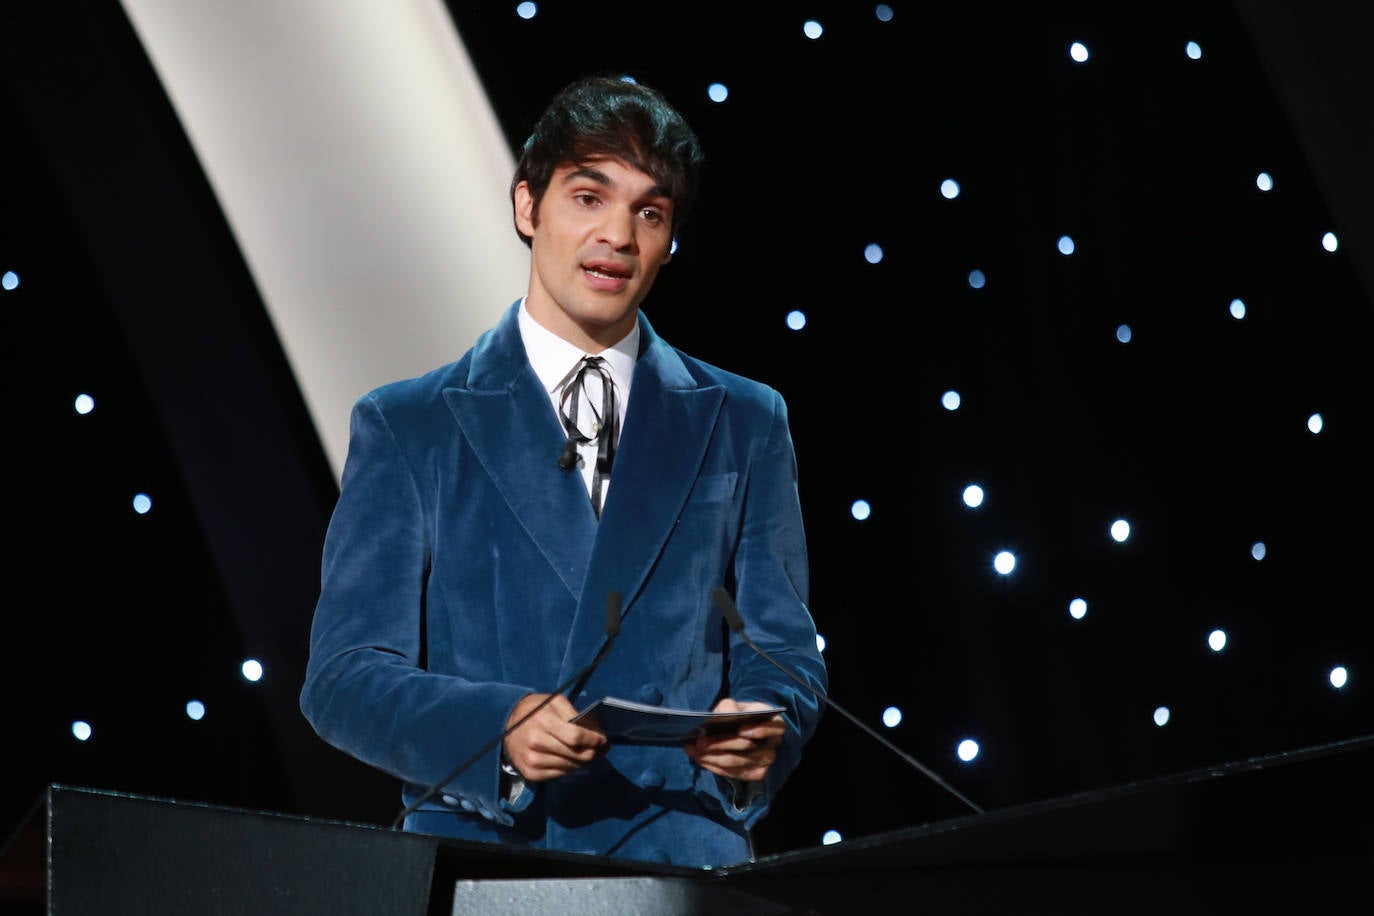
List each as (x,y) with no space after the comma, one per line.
(598,238)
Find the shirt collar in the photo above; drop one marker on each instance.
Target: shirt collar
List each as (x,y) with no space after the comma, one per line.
(552,358)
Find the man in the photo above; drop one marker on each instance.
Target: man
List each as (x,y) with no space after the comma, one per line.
(489,507)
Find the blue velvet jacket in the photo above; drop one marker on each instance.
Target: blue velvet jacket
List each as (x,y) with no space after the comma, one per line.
(463,570)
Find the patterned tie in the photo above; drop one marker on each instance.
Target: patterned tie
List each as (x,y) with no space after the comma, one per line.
(603,423)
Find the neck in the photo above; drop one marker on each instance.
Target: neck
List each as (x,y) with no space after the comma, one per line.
(589,338)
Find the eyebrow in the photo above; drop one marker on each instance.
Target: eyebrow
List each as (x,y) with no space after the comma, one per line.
(602,178)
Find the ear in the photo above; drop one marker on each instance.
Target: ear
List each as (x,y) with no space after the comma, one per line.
(524,209)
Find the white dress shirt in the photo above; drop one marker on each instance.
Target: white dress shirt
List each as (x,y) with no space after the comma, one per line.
(554,361)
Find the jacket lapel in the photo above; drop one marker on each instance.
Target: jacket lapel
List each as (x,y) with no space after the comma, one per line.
(668,426)
(506,418)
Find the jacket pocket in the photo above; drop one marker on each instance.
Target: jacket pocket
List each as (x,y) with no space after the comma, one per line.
(713,488)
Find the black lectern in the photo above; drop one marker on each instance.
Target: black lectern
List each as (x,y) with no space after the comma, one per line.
(1285,833)
(115,853)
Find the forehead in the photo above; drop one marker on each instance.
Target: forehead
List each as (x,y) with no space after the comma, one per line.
(612,174)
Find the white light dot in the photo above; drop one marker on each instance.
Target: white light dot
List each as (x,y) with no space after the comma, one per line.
(1193,50)
(195,710)
(973,496)
(1258,550)
(81,731)
(1078,609)
(812,29)
(84,404)
(1162,716)
(861,510)
(1217,640)
(1237,309)
(1329,241)
(1079,52)
(873,253)
(796,319)
(977,279)
(672,249)
(820,643)
(1339,676)
(892,717)
(968,749)
(1315,423)
(1066,245)
(10,280)
(143,503)
(526,10)
(950,400)
(949,189)
(1004,562)
(717,92)
(1124,333)
(883,12)
(830,838)
(1264,181)
(1121,530)
(252,670)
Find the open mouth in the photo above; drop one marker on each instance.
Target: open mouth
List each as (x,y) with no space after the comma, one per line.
(606,271)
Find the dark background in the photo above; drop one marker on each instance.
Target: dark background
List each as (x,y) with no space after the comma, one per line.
(133,291)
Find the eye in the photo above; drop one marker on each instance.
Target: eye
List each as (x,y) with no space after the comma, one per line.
(651,215)
(585,198)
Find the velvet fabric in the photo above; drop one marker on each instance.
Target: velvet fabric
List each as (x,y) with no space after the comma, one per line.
(463,569)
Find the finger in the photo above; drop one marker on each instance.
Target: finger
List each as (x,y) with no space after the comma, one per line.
(544,757)
(736,761)
(548,736)
(554,720)
(774,726)
(743,774)
(562,707)
(537,766)
(574,737)
(584,733)
(718,743)
(759,736)
(738,743)
(544,773)
(558,743)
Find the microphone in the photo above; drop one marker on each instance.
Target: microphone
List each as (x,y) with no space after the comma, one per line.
(736,623)
(568,457)
(612,631)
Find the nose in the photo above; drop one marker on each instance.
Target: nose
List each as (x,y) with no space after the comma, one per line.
(617,229)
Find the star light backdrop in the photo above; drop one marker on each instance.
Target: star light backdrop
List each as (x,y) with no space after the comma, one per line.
(1077,364)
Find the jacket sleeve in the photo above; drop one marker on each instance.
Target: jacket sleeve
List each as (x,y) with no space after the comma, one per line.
(366,688)
(771,588)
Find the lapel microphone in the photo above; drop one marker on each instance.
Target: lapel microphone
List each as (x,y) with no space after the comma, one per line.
(568,457)
(612,631)
(736,622)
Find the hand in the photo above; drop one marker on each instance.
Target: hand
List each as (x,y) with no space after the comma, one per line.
(550,745)
(745,753)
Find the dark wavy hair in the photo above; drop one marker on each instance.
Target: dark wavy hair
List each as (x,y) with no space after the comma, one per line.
(606,117)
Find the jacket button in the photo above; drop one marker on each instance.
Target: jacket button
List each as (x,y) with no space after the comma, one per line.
(449,800)
(651,779)
(467,805)
(650,694)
